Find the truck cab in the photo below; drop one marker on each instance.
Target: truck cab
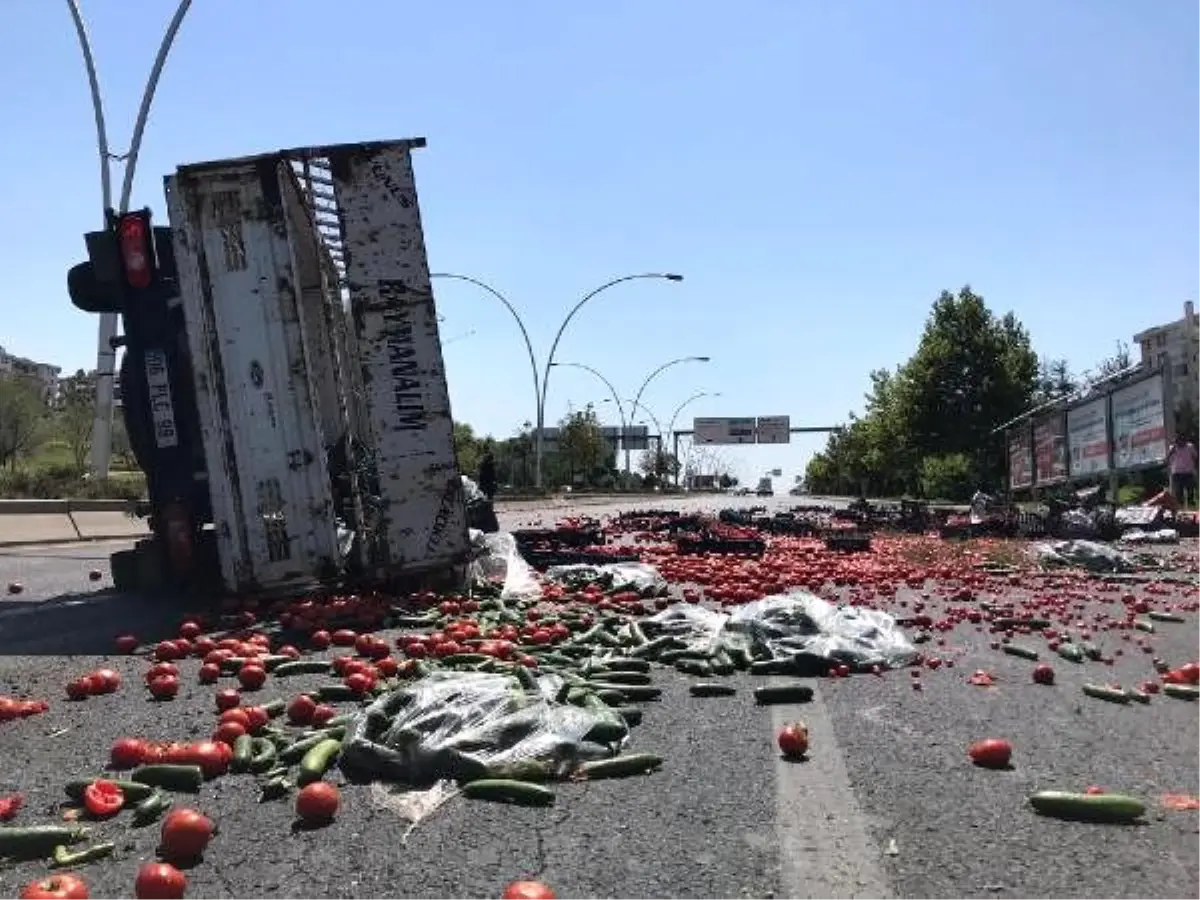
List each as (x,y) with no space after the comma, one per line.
(766,488)
(282,379)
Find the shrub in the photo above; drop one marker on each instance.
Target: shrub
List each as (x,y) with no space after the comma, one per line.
(949,477)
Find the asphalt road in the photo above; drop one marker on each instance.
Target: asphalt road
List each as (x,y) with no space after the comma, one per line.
(886,804)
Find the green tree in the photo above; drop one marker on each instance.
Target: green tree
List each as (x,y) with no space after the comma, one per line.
(468,448)
(1118,362)
(1054,380)
(581,443)
(22,417)
(76,412)
(659,464)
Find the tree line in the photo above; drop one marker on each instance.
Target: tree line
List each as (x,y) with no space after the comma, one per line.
(928,427)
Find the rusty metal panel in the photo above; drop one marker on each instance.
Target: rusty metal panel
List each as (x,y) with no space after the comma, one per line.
(272,503)
(417,514)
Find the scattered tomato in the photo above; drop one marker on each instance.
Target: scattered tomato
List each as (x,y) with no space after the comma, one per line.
(185,835)
(61,886)
(103,798)
(228,699)
(252,677)
(527,890)
(164,687)
(1043,673)
(127,753)
(159,881)
(127,643)
(992,753)
(793,740)
(317,802)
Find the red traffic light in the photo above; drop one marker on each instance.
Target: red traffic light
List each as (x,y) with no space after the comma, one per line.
(133,236)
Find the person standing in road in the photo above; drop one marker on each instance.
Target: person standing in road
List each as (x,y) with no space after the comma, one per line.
(1181,463)
(487,475)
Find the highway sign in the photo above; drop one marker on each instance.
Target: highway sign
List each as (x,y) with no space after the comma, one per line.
(724,431)
(774,429)
(636,437)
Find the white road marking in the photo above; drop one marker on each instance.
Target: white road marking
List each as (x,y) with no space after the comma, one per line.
(824,847)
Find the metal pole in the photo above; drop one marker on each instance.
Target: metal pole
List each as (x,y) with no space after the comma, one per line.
(537,396)
(541,416)
(612,390)
(649,378)
(106,355)
(671,426)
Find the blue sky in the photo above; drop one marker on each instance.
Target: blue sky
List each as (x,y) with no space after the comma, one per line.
(817,171)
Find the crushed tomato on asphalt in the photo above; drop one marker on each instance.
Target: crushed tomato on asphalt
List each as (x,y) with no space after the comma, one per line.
(536,676)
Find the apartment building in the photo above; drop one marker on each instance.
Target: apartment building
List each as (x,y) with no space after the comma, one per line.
(45,375)
(1175,346)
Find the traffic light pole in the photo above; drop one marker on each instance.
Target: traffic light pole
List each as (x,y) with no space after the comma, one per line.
(106,353)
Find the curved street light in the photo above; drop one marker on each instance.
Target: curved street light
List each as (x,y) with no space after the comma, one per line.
(541,417)
(608,384)
(537,397)
(675,415)
(649,378)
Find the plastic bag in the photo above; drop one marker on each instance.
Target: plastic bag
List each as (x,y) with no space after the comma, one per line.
(696,626)
(622,576)
(497,561)
(464,725)
(800,624)
(471,491)
(1085,554)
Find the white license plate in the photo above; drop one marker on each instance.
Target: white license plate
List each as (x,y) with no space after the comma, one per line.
(162,410)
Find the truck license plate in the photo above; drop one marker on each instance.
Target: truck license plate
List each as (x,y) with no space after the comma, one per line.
(162,410)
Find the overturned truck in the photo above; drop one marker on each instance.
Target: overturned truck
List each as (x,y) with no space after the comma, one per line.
(282,379)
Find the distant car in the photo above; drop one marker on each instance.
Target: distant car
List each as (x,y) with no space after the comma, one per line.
(765,492)
(742,492)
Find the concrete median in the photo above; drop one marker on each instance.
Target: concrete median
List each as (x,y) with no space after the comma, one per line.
(25,522)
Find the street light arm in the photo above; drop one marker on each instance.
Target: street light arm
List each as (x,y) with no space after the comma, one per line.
(139,127)
(537,396)
(635,405)
(89,63)
(680,407)
(612,390)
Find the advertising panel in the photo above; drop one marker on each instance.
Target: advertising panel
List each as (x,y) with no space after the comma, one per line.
(1139,424)
(1050,448)
(1020,459)
(1087,438)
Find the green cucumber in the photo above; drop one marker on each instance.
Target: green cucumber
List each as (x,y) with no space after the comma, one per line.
(711,689)
(337,693)
(1159,616)
(1182,691)
(1092,651)
(274,789)
(619,766)
(782,693)
(243,750)
(303,667)
(619,677)
(36,841)
(296,751)
(1144,625)
(1104,692)
(634,692)
(624,664)
(653,648)
(1023,652)
(263,755)
(317,760)
(508,790)
(631,714)
(1087,807)
(697,667)
(772,667)
(183,779)
(1070,652)
(151,809)
(64,857)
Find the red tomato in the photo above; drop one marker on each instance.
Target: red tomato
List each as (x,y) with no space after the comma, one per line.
(257,718)
(185,834)
(319,640)
(793,740)
(103,798)
(209,673)
(109,680)
(317,802)
(190,630)
(322,714)
(239,714)
(527,890)
(359,682)
(289,651)
(300,710)
(161,668)
(166,651)
(159,881)
(1190,672)
(386,666)
(164,687)
(212,757)
(344,637)
(1043,673)
(127,643)
(252,677)
(78,689)
(96,685)
(127,753)
(56,887)
(228,699)
(992,753)
(228,732)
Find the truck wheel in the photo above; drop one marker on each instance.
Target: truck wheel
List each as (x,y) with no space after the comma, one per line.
(151,567)
(124,566)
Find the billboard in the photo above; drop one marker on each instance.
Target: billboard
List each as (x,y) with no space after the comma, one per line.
(636,437)
(724,431)
(1087,438)
(1020,459)
(1139,424)
(774,429)
(1050,448)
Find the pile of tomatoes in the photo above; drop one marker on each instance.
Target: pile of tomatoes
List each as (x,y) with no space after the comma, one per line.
(213,757)
(102,681)
(17,708)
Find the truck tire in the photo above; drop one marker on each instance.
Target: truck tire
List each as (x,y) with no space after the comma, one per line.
(124,567)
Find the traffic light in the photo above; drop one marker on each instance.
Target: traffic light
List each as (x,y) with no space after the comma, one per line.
(122,262)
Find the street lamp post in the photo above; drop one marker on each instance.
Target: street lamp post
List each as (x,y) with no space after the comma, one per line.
(608,384)
(649,378)
(106,352)
(541,410)
(675,415)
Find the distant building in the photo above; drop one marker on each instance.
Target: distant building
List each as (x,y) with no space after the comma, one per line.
(1175,346)
(45,375)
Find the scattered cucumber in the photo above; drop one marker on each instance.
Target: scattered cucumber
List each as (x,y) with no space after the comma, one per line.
(132,790)
(507,790)
(1087,807)
(1016,650)
(783,693)
(37,841)
(1182,691)
(619,766)
(1104,692)
(184,779)
(711,689)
